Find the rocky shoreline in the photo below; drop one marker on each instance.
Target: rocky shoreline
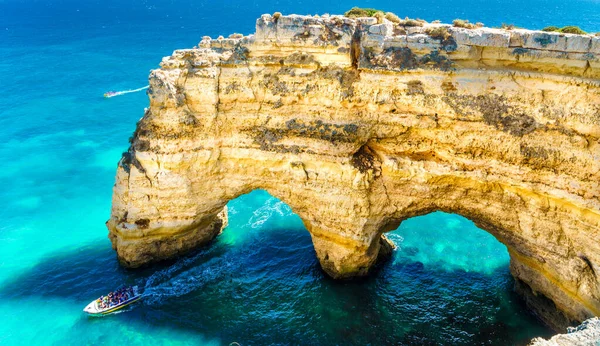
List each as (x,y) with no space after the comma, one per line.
(586,334)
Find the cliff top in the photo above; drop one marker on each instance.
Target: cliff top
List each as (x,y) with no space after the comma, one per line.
(334,30)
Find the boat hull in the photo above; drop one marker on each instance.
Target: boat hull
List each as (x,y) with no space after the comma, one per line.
(93,309)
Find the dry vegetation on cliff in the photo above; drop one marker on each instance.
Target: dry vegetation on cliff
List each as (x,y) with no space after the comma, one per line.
(440,33)
(357,12)
(463,23)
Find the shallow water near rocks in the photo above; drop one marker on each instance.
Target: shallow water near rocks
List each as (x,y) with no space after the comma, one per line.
(257,283)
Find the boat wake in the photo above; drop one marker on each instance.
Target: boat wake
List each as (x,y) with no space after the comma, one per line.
(110,94)
(210,265)
(187,276)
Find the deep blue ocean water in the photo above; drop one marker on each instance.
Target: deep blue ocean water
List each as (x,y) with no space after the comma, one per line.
(259,282)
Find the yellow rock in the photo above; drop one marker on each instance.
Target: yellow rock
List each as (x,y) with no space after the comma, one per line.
(357,128)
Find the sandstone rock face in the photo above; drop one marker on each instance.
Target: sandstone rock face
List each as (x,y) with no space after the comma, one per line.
(358,126)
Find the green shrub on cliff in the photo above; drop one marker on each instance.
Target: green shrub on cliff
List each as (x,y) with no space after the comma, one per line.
(570,29)
(551,28)
(356,12)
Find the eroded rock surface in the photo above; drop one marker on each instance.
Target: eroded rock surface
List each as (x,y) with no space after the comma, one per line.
(358,126)
(586,334)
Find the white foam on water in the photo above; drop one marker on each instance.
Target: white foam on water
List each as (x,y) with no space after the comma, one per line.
(282,209)
(264,213)
(123,92)
(186,276)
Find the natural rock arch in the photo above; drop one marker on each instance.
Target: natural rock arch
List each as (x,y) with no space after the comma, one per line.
(501,127)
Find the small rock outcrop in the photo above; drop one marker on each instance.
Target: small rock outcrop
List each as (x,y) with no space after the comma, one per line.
(587,334)
(358,126)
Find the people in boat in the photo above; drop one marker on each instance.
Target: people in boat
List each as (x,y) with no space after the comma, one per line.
(115,298)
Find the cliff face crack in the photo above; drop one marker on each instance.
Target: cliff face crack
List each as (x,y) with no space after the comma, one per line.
(251,79)
(355,47)
(217,92)
(589,264)
(514,79)
(587,67)
(370,125)
(481,61)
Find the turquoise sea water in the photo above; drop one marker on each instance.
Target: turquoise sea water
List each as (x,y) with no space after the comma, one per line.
(259,282)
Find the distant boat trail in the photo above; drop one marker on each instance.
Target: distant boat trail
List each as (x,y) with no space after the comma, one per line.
(119,93)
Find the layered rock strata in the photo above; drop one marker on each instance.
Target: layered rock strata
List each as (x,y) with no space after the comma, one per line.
(358,126)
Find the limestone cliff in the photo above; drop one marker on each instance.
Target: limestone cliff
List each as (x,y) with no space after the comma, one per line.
(358,126)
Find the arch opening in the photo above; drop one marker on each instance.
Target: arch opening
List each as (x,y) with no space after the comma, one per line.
(449,242)
(528,280)
(254,213)
(462,271)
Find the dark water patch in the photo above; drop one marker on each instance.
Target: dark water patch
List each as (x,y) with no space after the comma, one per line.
(410,251)
(267,287)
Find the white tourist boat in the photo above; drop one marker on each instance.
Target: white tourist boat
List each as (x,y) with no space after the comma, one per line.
(94,307)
